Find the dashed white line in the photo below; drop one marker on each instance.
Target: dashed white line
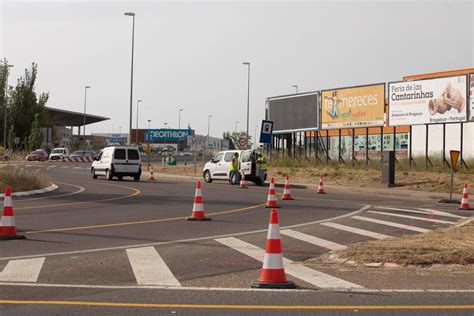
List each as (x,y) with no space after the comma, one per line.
(413,217)
(313,240)
(358,231)
(149,268)
(377,221)
(25,270)
(314,277)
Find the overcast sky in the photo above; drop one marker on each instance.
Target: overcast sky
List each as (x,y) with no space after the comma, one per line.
(189,54)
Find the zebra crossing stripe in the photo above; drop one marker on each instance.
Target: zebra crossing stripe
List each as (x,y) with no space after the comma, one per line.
(297,270)
(358,231)
(149,268)
(377,221)
(23,270)
(313,240)
(420,211)
(413,217)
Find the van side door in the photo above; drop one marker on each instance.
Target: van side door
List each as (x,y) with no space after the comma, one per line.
(246,162)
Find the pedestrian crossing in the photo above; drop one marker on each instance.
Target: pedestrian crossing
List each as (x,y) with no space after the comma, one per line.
(157,266)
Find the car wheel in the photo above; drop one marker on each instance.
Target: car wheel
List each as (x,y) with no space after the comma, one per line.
(207,176)
(108,175)
(94,176)
(136,178)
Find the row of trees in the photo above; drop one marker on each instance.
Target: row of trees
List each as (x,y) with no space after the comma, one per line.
(26,112)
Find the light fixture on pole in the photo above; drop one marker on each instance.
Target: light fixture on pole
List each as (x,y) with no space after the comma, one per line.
(255,140)
(248,98)
(149,121)
(179,118)
(236,122)
(84,129)
(5,74)
(136,129)
(132,14)
(296,87)
(208,129)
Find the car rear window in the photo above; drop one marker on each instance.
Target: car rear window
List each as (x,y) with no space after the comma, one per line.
(119,154)
(133,154)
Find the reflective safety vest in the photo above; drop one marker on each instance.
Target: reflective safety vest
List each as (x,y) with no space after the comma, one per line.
(262,163)
(234,164)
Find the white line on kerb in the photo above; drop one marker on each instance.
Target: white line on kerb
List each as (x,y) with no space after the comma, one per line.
(364,208)
(149,268)
(311,276)
(377,221)
(313,240)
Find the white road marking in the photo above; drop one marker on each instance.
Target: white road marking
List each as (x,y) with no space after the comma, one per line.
(413,217)
(81,189)
(377,221)
(74,252)
(292,268)
(358,231)
(420,211)
(313,240)
(149,268)
(25,270)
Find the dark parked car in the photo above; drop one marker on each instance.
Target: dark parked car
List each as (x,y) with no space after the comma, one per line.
(37,155)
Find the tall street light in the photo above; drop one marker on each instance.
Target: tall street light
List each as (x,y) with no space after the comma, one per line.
(236,122)
(136,129)
(148,123)
(255,140)
(85,104)
(296,87)
(208,129)
(132,14)
(179,118)
(5,74)
(248,99)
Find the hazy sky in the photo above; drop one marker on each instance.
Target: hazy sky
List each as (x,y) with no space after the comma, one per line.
(189,54)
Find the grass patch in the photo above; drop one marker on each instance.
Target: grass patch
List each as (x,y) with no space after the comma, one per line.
(22,179)
(453,245)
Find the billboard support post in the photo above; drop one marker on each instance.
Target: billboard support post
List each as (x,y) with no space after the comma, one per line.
(339,149)
(367,146)
(317,146)
(410,147)
(381,142)
(353,147)
(445,161)
(427,158)
(462,137)
(327,147)
(394,142)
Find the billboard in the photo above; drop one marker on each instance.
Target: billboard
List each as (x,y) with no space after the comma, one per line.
(353,107)
(428,101)
(294,113)
(471,97)
(167,135)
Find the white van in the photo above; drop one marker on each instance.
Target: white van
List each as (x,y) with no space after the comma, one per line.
(59,153)
(218,168)
(118,161)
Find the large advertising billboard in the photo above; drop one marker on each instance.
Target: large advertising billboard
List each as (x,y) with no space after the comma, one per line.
(471,98)
(428,101)
(293,113)
(353,107)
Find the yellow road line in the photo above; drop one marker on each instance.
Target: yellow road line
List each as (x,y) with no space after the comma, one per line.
(138,222)
(215,306)
(136,192)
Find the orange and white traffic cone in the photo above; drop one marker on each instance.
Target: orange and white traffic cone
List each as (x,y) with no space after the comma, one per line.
(152,175)
(271,200)
(243,184)
(8,229)
(320,186)
(286,192)
(272,274)
(465,199)
(198,206)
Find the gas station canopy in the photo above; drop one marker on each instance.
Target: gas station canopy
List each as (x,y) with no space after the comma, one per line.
(69,118)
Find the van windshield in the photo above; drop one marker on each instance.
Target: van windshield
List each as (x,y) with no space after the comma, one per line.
(57,151)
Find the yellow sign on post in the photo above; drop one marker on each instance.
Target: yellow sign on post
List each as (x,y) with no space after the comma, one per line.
(454,158)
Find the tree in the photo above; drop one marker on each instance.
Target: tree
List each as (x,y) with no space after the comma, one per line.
(73,144)
(11,138)
(36,136)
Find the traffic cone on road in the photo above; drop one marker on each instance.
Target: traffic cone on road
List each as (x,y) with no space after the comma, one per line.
(271,200)
(152,175)
(7,228)
(272,274)
(286,192)
(243,184)
(465,199)
(320,186)
(198,206)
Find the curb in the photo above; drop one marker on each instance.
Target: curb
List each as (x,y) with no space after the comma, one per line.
(52,187)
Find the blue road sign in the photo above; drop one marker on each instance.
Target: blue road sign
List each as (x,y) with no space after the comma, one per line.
(266,132)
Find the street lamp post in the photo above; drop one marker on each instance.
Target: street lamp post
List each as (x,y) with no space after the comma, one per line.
(179,118)
(255,140)
(148,123)
(5,74)
(248,98)
(296,87)
(208,129)
(132,14)
(84,129)
(136,129)
(236,122)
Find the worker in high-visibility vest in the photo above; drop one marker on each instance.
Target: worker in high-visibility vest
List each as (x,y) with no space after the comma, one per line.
(261,167)
(234,174)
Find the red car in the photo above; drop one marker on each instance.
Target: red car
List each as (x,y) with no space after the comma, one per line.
(37,155)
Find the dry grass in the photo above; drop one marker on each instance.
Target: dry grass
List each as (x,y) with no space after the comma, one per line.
(22,179)
(454,245)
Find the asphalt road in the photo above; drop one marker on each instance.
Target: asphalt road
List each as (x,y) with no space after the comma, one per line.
(89,245)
